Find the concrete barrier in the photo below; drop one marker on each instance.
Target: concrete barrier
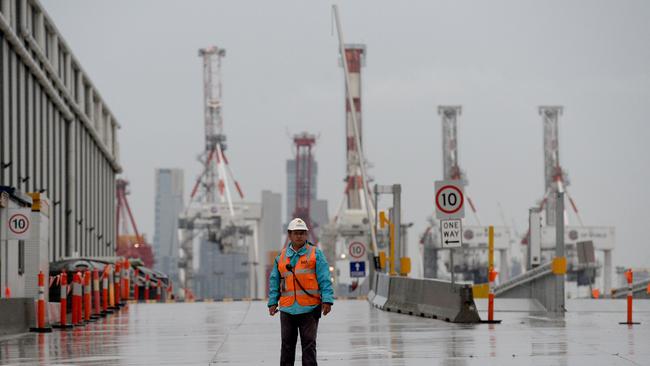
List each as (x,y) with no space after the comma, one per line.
(425,297)
(16,315)
(380,291)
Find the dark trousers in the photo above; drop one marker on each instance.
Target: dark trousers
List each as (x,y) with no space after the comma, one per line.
(307,325)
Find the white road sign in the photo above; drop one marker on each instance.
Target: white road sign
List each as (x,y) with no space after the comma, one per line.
(357,250)
(450,201)
(19,223)
(451,233)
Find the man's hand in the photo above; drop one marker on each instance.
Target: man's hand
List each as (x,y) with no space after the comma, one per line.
(326,308)
(273,309)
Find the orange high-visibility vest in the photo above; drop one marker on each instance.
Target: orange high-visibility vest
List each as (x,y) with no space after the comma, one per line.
(305,272)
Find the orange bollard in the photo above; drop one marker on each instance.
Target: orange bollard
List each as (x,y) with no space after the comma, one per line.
(595,293)
(630,295)
(126,269)
(40,307)
(96,309)
(136,288)
(105,294)
(77,300)
(118,295)
(74,299)
(87,296)
(111,288)
(146,288)
(63,302)
(7,292)
(492,276)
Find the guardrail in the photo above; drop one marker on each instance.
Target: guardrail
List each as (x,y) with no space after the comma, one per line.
(640,290)
(424,297)
(522,279)
(539,283)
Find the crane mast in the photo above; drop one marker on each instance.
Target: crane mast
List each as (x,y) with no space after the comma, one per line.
(215,182)
(355,59)
(304,144)
(355,218)
(451,167)
(210,213)
(555,178)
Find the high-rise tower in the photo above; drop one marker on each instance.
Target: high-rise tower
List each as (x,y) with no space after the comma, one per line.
(169,204)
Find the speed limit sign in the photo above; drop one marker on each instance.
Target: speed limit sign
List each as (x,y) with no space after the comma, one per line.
(450,201)
(357,250)
(19,224)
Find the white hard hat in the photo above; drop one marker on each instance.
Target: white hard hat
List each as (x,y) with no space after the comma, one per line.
(297,224)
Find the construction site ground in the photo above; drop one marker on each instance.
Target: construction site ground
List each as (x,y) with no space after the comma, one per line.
(355,333)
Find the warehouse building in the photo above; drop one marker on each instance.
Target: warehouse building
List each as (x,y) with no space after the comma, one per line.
(57,135)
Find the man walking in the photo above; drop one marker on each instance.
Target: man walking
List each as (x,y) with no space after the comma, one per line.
(300,280)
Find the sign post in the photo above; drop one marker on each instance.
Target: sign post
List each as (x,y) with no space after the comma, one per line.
(450,210)
(451,233)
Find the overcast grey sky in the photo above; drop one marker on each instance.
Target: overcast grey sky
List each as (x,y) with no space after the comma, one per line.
(498,59)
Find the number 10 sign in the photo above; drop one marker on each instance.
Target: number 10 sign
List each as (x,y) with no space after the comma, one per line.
(450,201)
(19,223)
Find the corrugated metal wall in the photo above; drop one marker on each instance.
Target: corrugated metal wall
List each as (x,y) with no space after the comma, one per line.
(57,135)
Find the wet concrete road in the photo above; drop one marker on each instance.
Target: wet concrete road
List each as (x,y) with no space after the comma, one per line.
(242,333)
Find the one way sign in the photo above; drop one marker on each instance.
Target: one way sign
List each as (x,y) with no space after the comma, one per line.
(450,233)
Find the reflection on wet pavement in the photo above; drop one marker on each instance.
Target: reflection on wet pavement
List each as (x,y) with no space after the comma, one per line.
(354,333)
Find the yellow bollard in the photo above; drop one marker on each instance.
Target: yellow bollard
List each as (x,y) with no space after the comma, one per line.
(491,273)
(391,231)
(404,266)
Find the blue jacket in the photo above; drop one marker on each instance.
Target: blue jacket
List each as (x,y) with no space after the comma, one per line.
(322,275)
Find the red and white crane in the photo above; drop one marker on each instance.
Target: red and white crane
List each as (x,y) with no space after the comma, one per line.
(355,218)
(304,144)
(212,189)
(555,178)
(471,263)
(130,243)
(214,182)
